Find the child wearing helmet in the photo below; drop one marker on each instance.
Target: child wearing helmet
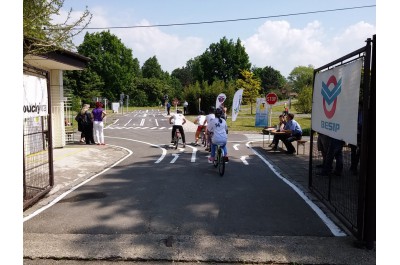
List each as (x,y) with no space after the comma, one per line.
(210,116)
(219,130)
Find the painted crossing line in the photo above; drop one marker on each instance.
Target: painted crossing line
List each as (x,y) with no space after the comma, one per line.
(136,128)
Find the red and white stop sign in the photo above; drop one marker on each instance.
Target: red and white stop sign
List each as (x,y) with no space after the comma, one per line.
(175,102)
(271,98)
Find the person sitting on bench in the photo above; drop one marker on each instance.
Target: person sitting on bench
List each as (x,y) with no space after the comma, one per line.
(294,133)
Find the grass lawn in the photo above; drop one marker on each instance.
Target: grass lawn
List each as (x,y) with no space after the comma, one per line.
(245,121)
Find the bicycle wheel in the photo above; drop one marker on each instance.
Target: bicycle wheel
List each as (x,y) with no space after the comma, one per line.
(203,139)
(176,141)
(216,159)
(221,163)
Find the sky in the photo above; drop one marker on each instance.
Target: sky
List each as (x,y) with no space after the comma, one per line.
(279,39)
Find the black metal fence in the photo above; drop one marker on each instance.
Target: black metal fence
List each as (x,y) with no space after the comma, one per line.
(352,196)
(38,170)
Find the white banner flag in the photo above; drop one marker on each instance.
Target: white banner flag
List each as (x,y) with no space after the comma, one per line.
(220,99)
(35,96)
(237,101)
(335,102)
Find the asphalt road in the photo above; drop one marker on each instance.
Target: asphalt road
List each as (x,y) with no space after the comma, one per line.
(160,198)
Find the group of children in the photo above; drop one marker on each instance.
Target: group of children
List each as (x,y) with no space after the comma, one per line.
(214,124)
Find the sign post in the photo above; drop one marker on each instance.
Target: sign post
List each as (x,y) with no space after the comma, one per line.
(271,99)
(176,103)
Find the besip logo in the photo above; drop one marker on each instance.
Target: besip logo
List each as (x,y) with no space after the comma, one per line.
(329,96)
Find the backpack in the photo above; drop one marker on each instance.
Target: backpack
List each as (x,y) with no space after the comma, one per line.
(85,119)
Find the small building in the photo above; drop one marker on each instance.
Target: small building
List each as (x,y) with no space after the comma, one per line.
(44,117)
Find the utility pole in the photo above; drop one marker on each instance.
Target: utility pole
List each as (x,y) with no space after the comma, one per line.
(121,101)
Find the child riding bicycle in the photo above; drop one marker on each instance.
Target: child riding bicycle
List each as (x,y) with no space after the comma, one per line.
(179,120)
(199,121)
(210,116)
(219,131)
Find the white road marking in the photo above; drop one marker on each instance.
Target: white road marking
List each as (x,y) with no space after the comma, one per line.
(175,158)
(243,158)
(156,122)
(57,199)
(336,231)
(193,158)
(235,146)
(127,122)
(142,122)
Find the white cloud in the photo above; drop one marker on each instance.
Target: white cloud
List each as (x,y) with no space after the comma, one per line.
(278,45)
(171,51)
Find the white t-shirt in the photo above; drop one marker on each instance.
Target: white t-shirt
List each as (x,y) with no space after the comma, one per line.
(177,118)
(209,118)
(201,119)
(219,131)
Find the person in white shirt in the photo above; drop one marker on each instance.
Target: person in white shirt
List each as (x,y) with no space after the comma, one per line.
(178,121)
(219,130)
(210,116)
(199,121)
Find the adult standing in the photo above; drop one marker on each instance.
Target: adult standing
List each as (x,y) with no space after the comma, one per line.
(79,121)
(98,115)
(185,107)
(335,151)
(87,124)
(168,108)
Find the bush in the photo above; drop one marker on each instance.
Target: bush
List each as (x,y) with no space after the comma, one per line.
(306,131)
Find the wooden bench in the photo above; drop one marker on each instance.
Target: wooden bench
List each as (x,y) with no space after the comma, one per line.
(69,134)
(303,143)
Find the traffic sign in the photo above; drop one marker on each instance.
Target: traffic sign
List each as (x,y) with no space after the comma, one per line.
(175,102)
(271,98)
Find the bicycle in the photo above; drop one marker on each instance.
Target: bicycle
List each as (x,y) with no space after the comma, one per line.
(203,137)
(177,136)
(219,160)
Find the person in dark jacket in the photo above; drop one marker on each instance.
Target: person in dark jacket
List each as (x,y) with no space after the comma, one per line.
(86,120)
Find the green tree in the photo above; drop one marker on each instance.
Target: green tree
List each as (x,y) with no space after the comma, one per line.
(301,76)
(152,69)
(224,61)
(251,87)
(111,62)
(271,79)
(191,73)
(40,35)
(304,100)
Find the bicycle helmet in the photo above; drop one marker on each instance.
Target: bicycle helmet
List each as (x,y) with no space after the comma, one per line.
(218,113)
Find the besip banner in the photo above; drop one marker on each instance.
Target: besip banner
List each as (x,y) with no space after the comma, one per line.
(335,102)
(35,96)
(237,101)
(220,99)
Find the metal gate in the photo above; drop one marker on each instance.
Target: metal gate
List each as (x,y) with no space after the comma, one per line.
(38,155)
(352,195)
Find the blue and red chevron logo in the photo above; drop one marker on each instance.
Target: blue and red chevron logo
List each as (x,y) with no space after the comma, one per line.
(329,96)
